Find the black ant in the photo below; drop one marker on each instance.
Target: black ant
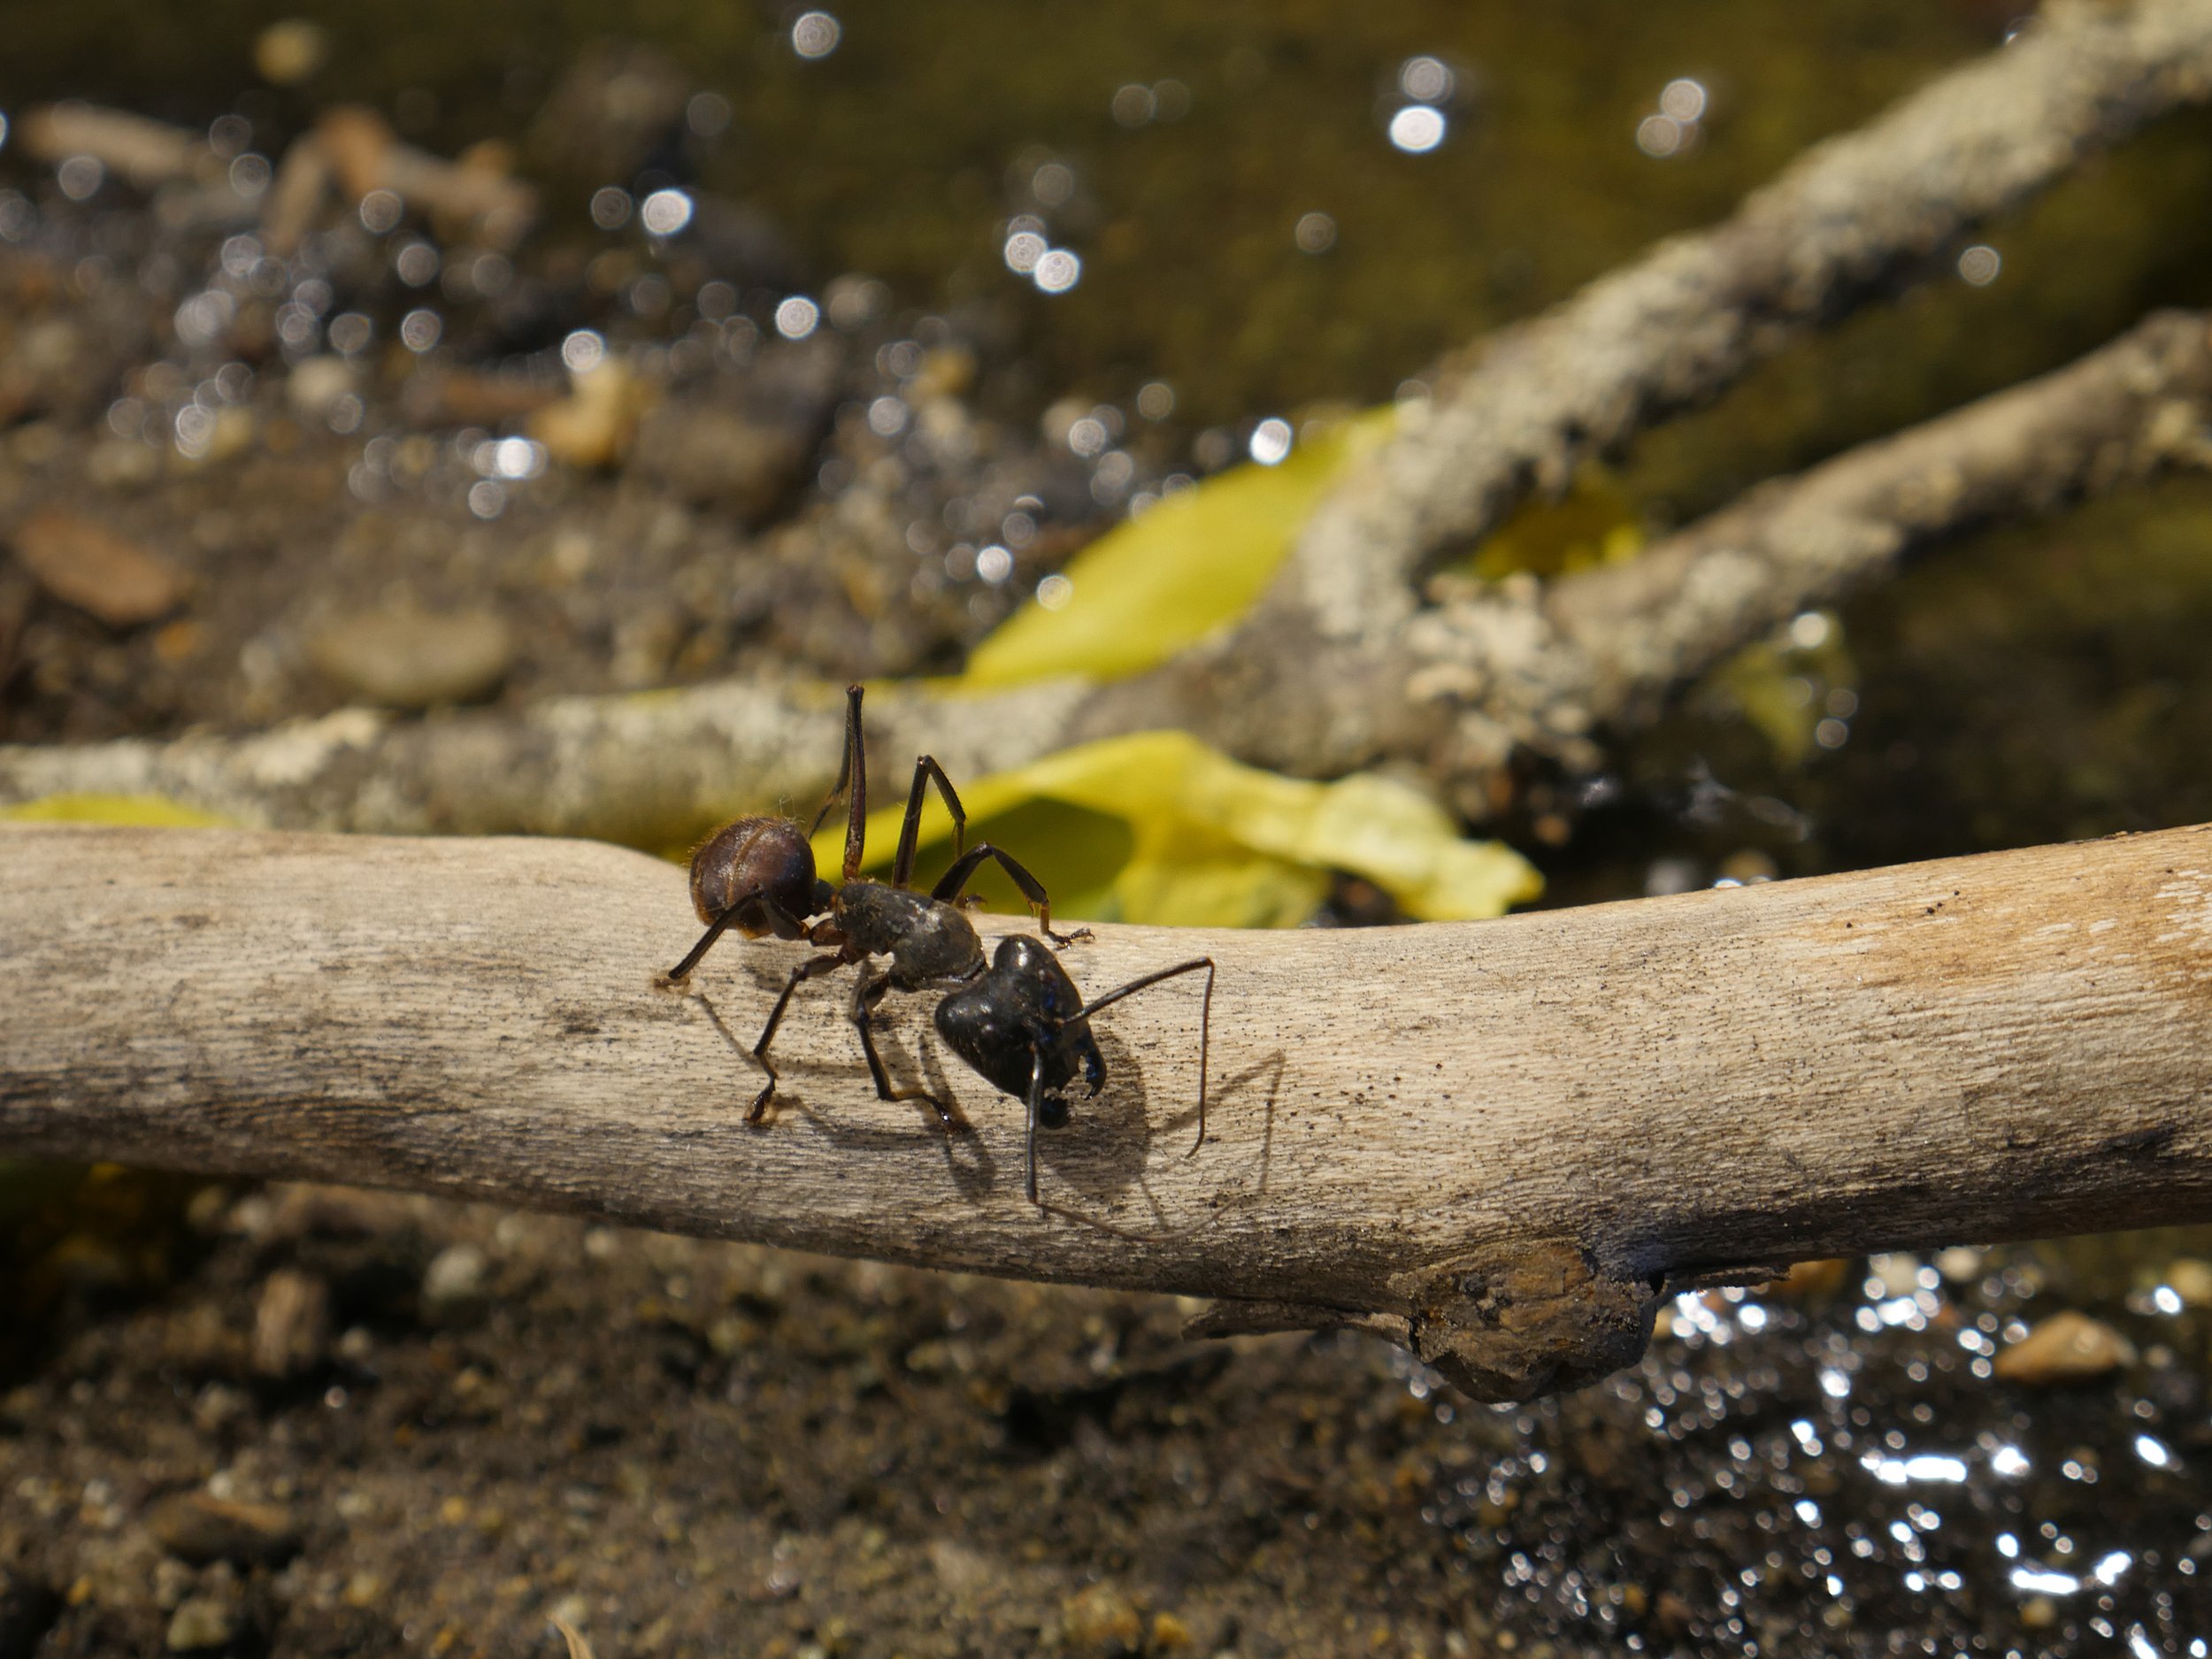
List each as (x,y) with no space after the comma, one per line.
(1025,1027)
(756,875)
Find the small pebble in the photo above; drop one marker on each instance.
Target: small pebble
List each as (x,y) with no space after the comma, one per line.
(1811,1281)
(1960,1265)
(2066,1347)
(1101,1620)
(86,564)
(961,1568)
(594,425)
(318,383)
(1170,1634)
(1898,1272)
(453,1285)
(416,660)
(291,1325)
(201,1621)
(200,1529)
(720,457)
(288,52)
(2192,1280)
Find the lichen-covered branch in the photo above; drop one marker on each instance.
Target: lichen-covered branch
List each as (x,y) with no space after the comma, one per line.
(1499,1141)
(1541,668)
(1524,406)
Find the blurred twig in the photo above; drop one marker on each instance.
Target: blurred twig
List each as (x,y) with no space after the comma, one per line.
(1540,668)
(1526,406)
(1313,680)
(349,149)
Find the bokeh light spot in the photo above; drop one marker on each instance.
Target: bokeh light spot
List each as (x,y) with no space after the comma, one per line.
(1425,80)
(1315,232)
(664,213)
(816,34)
(1058,271)
(1683,100)
(583,351)
(1417,128)
(797,316)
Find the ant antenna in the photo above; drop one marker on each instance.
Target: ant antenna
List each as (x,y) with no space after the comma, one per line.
(1205,1036)
(720,926)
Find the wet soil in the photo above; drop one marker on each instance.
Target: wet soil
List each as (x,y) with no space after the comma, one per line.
(327,1422)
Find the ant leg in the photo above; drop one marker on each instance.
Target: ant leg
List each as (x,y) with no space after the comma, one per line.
(926,769)
(855,769)
(1036,1106)
(845,766)
(954,882)
(1205,1023)
(866,994)
(800,975)
(782,922)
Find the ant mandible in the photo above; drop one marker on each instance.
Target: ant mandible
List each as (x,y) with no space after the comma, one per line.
(1026,1028)
(756,875)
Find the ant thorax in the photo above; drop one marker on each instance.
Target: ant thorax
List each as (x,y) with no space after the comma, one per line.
(926,939)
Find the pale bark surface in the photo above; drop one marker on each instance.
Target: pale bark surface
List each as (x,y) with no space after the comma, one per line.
(1496,1141)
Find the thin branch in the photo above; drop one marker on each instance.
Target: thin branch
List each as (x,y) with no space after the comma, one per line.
(1540,668)
(1497,1142)
(653,769)
(1527,405)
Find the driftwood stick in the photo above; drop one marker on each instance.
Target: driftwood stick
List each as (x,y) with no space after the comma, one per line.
(645,768)
(1497,1142)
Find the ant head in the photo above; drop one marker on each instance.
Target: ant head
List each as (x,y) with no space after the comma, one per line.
(767,857)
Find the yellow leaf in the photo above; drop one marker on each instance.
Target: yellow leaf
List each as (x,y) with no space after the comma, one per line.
(1157,827)
(1593,523)
(149,810)
(1152,585)
(1780,689)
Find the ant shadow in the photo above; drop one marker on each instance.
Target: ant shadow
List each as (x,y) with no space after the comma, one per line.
(1103,1151)
(973,1169)
(1099,1154)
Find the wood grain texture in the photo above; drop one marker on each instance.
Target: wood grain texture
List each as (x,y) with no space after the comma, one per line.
(1498,1142)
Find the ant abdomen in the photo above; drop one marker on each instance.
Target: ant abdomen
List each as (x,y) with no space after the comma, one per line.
(764,867)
